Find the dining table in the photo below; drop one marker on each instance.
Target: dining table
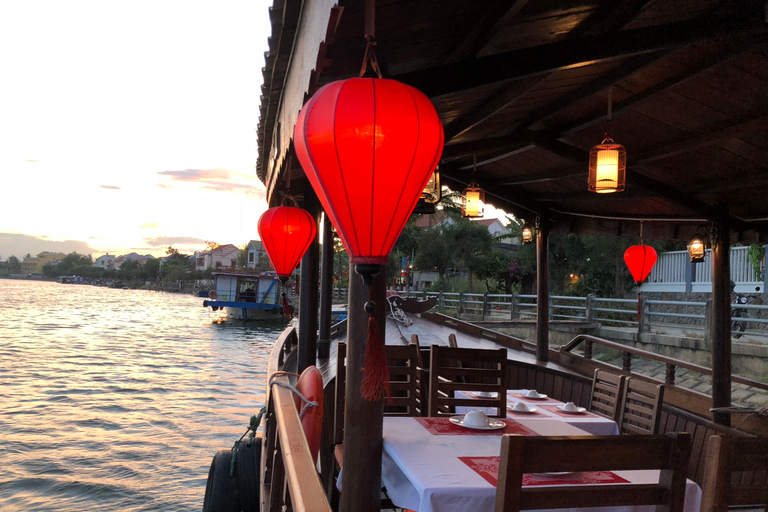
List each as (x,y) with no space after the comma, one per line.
(432,464)
(546,408)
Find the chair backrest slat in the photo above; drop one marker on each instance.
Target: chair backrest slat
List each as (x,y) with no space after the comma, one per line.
(533,454)
(640,407)
(467,369)
(607,390)
(735,473)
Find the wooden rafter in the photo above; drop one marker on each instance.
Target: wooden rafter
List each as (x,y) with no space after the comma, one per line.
(457,77)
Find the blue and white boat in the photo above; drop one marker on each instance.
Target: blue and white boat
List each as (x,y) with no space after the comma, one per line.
(245,296)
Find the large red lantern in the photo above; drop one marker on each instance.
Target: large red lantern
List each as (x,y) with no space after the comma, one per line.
(640,259)
(369,147)
(286,233)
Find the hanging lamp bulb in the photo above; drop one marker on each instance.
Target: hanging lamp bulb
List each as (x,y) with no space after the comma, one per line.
(473,197)
(607,161)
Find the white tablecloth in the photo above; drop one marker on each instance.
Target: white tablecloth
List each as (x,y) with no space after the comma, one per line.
(592,423)
(422,471)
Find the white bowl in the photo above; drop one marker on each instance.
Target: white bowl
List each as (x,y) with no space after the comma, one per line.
(532,393)
(570,407)
(476,419)
(520,407)
(486,394)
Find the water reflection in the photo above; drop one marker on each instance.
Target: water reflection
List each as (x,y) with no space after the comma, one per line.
(118,399)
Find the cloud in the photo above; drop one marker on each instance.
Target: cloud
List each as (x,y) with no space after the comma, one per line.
(19,245)
(163,185)
(218,180)
(109,187)
(161,241)
(149,225)
(197,174)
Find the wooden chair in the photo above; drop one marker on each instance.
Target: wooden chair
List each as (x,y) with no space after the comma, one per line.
(640,407)
(607,390)
(533,454)
(735,473)
(466,369)
(404,383)
(452,341)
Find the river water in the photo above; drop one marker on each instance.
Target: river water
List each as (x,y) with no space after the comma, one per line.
(118,399)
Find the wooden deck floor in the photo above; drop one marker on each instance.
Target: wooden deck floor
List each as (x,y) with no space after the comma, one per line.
(429,334)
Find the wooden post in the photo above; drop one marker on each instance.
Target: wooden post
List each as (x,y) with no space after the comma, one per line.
(308,302)
(513,313)
(485,304)
(589,314)
(542,292)
(326,291)
(363,443)
(721,318)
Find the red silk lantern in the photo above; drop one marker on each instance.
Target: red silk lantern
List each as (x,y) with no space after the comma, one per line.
(640,259)
(286,233)
(368,147)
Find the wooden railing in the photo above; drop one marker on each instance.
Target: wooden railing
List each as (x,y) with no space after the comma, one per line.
(289,479)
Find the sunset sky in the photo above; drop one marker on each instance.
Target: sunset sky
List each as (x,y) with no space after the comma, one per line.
(129,126)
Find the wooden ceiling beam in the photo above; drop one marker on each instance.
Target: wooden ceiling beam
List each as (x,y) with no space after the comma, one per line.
(457,77)
(485,29)
(736,130)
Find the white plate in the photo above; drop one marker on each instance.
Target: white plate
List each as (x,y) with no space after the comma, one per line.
(530,409)
(540,397)
(555,473)
(579,410)
(493,425)
(485,394)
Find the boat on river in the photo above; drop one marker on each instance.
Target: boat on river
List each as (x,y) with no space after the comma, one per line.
(522,90)
(243,296)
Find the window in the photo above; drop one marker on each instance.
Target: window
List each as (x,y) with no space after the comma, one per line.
(250,257)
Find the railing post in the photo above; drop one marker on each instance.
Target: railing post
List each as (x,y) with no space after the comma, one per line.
(643,324)
(587,349)
(707,323)
(690,272)
(440,299)
(485,304)
(670,375)
(513,312)
(589,314)
(626,362)
(461,303)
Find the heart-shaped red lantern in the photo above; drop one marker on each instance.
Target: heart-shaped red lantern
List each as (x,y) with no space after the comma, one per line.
(286,233)
(640,259)
(368,147)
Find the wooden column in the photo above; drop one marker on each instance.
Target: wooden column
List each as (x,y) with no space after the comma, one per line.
(542,291)
(720,325)
(361,475)
(326,292)
(308,302)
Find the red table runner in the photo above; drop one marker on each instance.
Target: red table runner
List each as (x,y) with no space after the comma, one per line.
(553,409)
(488,468)
(442,426)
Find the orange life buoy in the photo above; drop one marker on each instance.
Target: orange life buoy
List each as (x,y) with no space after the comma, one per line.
(212,294)
(310,384)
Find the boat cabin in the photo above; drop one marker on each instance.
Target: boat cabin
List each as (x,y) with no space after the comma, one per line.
(534,99)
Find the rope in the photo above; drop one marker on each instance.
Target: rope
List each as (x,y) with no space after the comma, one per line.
(252,427)
(307,403)
(397,314)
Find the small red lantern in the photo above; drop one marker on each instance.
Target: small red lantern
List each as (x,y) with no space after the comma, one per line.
(640,259)
(368,147)
(286,233)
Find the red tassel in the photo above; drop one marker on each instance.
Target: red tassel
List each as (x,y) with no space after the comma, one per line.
(376,381)
(287,309)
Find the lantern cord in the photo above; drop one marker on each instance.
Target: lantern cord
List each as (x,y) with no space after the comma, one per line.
(370,56)
(286,197)
(641,232)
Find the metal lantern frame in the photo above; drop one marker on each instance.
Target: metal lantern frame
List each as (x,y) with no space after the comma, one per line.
(526,234)
(473,201)
(607,167)
(697,250)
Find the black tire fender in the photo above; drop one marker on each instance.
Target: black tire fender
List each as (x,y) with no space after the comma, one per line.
(221,493)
